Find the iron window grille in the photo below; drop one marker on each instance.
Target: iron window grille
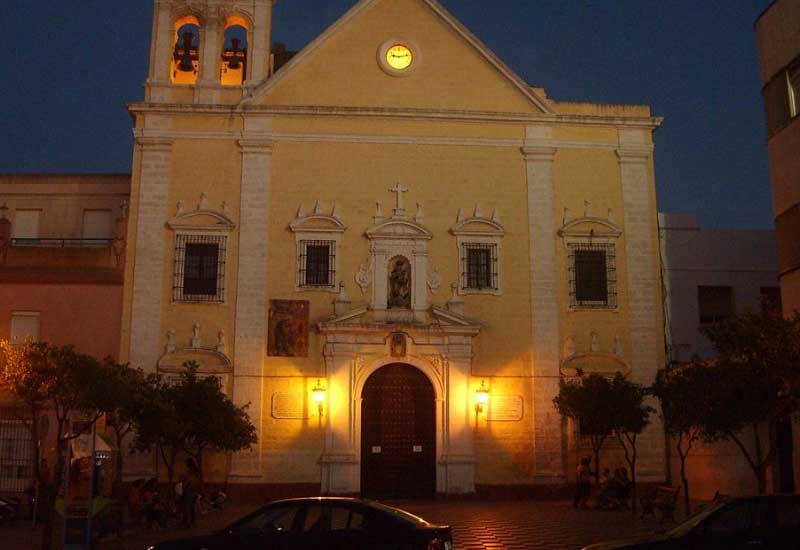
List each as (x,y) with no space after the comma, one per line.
(16,452)
(479,266)
(199,268)
(317,264)
(592,276)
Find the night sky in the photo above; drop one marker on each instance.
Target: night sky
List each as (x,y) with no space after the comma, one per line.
(69,68)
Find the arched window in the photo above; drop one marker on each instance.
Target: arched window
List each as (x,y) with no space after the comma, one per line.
(186,55)
(233,67)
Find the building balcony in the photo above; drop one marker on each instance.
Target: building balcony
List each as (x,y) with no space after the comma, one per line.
(64,261)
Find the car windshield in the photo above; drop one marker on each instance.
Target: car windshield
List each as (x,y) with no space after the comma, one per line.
(693,521)
(399,514)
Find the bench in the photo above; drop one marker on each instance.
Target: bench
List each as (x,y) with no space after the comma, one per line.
(661,500)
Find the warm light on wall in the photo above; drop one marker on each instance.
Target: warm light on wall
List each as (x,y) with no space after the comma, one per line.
(318,394)
(481,397)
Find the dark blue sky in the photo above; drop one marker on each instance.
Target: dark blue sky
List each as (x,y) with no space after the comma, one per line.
(68,68)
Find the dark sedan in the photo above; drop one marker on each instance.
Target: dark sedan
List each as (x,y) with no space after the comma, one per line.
(323,524)
(769,522)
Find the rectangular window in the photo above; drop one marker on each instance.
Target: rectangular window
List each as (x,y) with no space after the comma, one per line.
(24,326)
(771,300)
(592,275)
(199,268)
(317,263)
(793,83)
(26,225)
(715,303)
(480,266)
(97,225)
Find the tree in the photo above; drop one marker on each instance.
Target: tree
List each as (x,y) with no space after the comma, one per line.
(683,393)
(589,403)
(630,416)
(192,416)
(158,426)
(121,393)
(213,421)
(758,382)
(61,380)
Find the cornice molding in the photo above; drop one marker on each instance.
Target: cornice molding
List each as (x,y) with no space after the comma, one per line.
(650,123)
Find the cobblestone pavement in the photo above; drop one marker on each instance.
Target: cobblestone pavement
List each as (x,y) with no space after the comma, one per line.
(477,525)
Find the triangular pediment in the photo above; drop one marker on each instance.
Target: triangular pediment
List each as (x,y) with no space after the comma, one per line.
(451,70)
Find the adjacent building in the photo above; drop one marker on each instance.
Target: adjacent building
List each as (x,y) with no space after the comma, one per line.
(395,223)
(710,275)
(778,36)
(62,255)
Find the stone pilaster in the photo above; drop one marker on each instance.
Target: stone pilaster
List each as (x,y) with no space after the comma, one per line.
(251,297)
(208,87)
(643,290)
(548,459)
(148,272)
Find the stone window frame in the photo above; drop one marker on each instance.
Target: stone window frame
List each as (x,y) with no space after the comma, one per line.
(200,223)
(609,251)
(586,232)
(481,231)
(333,260)
(183,238)
(320,227)
(467,243)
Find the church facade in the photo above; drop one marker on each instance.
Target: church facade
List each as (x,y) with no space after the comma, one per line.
(389,245)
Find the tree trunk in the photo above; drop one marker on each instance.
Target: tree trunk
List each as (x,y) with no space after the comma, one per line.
(683,455)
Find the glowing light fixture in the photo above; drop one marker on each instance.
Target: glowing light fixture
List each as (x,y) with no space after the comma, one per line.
(318,392)
(481,397)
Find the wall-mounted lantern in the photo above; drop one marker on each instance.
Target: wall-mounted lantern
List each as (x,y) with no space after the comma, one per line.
(318,393)
(481,397)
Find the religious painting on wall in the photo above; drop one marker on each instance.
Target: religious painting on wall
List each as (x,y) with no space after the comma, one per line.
(288,328)
(399,283)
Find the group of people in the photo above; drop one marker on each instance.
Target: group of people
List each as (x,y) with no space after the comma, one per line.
(613,491)
(147,505)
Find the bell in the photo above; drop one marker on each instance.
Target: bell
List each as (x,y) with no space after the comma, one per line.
(185,53)
(233,62)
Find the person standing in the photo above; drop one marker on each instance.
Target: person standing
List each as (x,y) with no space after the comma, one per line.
(583,484)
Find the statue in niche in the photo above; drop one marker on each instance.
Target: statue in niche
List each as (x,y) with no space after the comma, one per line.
(399,283)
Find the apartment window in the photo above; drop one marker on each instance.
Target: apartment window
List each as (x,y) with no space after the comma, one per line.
(715,303)
(24,326)
(317,264)
(26,226)
(593,275)
(793,84)
(97,225)
(479,266)
(199,268)
(771,300)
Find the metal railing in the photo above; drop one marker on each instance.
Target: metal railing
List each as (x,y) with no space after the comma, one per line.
(61,243)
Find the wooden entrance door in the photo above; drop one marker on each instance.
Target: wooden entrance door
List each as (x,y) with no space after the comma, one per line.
(398,434)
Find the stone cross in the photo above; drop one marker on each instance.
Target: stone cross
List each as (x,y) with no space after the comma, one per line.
(399,190)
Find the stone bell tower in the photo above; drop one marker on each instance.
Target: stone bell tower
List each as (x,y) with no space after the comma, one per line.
(208,51)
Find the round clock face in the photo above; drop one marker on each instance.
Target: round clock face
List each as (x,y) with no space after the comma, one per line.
(399,57)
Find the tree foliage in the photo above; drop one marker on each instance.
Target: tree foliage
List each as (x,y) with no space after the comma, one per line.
(192,416)
(756,382)
(684,394)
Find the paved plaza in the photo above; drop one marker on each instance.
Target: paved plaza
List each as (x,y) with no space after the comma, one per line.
(477,525)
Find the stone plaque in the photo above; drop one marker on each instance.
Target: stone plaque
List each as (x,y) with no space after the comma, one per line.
(289,406)
(376,450)
(505,408)
(417,448)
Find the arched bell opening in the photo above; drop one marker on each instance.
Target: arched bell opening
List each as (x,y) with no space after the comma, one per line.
(185,67)
(234,61)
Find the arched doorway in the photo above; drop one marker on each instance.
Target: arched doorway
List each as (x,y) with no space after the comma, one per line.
(398,434)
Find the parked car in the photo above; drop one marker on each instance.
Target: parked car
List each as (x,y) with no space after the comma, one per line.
(768,522)
(323,524)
